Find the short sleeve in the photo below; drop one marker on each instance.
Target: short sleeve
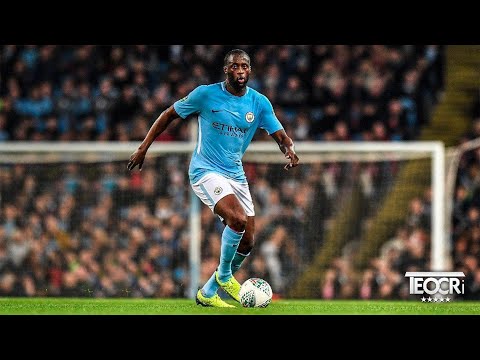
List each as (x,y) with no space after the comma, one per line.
(269,121)
(190,104)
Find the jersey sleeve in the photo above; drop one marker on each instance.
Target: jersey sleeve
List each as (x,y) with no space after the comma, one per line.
(190,104)
(269,121)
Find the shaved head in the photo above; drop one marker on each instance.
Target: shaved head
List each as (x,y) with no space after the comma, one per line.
(235,52)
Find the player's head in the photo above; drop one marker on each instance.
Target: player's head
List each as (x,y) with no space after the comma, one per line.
(236,66)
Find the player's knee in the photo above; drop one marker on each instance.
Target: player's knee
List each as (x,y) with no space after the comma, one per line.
(238,222)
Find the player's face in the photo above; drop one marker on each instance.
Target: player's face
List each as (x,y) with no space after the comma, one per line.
(238,71)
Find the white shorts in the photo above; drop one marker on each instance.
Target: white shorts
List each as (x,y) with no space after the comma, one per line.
(213,187)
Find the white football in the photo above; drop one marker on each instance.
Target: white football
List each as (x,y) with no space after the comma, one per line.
(255,292)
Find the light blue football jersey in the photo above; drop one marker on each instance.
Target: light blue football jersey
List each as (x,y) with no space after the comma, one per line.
(227,124)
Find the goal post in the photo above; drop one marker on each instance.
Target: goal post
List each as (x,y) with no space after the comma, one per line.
(311,152)
(267,153)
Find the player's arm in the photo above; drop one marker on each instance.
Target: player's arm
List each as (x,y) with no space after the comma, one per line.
(285,143)
(272,125)
(159,126)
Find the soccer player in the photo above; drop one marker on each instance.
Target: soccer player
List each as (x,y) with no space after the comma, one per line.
(229,113)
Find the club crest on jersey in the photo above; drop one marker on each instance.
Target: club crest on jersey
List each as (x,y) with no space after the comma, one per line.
(249,117)
(218,190)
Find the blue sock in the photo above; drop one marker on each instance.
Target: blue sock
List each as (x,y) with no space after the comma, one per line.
(237,261)
(211,286)
(230,241)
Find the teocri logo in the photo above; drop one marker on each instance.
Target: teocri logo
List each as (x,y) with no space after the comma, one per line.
(437,285)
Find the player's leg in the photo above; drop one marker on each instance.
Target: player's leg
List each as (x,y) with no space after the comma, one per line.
(246,244)
(230,209)
(215,191)
(242,191)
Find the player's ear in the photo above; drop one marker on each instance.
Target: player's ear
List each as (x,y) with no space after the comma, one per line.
(225,69)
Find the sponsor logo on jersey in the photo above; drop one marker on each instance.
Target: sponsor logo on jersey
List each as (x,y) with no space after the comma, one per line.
(229,130)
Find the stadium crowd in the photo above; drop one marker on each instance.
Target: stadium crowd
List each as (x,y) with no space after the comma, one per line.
(96,230)
(409,249)
(320,92)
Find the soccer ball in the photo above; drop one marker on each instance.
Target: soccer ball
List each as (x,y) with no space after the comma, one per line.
(255,292)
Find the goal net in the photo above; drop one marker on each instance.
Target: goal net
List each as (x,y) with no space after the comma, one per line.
(75,222)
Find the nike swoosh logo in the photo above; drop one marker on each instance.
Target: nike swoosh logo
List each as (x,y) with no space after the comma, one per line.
(231,112)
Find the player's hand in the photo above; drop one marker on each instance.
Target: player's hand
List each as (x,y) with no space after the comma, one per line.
(137,158)
(290,155)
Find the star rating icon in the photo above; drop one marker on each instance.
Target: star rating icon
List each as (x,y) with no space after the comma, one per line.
(430,299)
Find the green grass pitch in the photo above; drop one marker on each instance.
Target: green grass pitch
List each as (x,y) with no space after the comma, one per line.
(62,306)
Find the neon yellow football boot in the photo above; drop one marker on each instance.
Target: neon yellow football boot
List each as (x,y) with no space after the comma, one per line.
(214,301)
(231,286)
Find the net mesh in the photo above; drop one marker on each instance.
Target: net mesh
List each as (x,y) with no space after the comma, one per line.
(325,225)
(95,229)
